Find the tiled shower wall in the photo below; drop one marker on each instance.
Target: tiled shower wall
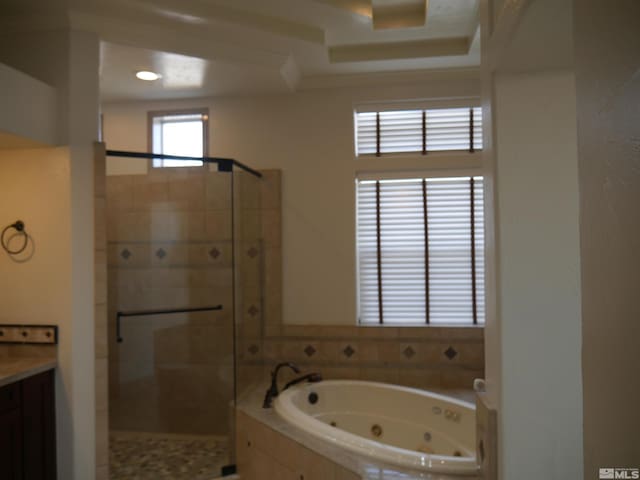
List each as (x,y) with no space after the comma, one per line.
(169,246)
(424,357)
(100,315)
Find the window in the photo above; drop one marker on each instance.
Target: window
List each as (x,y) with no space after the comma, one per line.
(421,251)
(179,133)
(423,131)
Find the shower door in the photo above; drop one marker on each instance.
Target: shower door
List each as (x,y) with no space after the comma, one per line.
(171,368)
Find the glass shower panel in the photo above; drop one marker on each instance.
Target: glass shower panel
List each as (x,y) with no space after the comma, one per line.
(170,252)
(249,278)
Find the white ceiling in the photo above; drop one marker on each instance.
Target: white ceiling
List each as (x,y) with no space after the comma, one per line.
(234,47)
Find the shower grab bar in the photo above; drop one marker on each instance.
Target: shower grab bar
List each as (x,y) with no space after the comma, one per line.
(144,313)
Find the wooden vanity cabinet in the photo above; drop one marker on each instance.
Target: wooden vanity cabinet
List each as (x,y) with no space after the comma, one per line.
(27,429)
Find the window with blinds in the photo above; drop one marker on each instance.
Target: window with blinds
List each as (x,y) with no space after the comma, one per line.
(420,251)
(422,131)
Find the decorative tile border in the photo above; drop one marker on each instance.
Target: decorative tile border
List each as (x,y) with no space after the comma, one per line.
(29,334)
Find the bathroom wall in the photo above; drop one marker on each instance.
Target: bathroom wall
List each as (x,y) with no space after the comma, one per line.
(422,357)
(538,262)
(169,246)
(29,111)
(607,59)
(67,61)
(309,136)
(35,288)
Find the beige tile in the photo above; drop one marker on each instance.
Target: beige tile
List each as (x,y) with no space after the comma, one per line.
(457,377)
(119,192)
(38,351)
(368,351)
(390,352)
(421,333)
(100,171)
(317,467)
(272,351)
(419,378)
(150,192)
(344,474)
(247,190)
(462,333)
(380,374)
(218,191)
(272,329)
(100,258)
(171,345)
(339,373)
(102,472)
(271,227)
(380,332)
(470,355)
(188,192)
(217,225)
(250,222)
(128,255)
(102,384)
(100,230)
(296,351)
(101,333)
(270,189)
(216,253)
(102,438)
(126,226)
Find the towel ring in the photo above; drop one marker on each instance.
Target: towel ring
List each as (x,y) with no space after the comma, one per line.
(18,226)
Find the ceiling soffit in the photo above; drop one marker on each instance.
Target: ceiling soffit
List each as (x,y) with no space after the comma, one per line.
(297,39)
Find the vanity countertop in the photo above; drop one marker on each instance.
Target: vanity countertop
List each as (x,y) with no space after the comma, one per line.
(14,369)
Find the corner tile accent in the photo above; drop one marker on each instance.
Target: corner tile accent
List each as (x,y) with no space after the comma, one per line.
(253,310)
(160,253)
(309,350)
(450,353)
(125,254)
(252,252)
(348,351)
(214,253)
(409,352)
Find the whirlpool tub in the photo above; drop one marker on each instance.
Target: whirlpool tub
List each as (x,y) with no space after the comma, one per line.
(397,425)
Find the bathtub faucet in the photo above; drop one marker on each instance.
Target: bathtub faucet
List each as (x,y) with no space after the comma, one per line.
(272,392)
(309,377)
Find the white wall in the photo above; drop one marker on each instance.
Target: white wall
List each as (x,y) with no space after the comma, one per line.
(30,109)
(607,35)
(537,255)
(309,135)
(68,61)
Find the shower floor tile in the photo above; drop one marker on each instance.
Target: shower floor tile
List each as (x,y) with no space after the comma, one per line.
(159,456)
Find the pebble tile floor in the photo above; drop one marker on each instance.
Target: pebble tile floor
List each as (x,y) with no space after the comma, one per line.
(157,456)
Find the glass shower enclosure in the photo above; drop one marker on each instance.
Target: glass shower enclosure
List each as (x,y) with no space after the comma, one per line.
(184,262)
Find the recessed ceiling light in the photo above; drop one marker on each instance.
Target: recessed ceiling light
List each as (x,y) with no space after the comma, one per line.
(148,76)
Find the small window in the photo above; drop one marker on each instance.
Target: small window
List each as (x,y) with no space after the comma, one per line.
(420,244)
(182,134)
(419,131)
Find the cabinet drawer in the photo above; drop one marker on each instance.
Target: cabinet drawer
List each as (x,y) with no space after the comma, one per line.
(9,397)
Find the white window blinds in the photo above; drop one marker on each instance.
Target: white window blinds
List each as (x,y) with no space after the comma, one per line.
(423,131)
(420,251)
